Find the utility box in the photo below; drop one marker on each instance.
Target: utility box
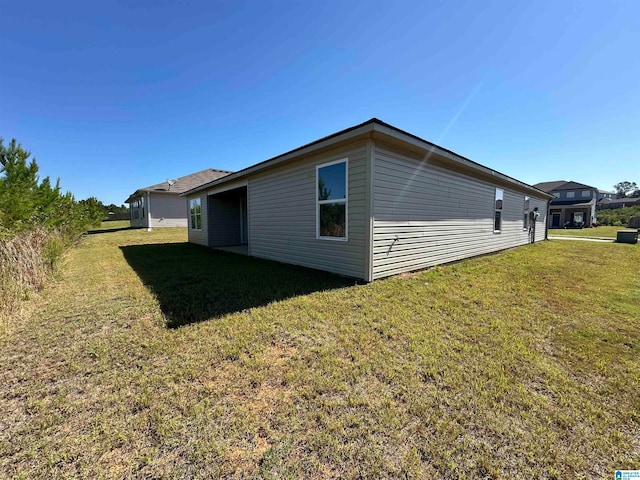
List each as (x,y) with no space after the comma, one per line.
(627,236)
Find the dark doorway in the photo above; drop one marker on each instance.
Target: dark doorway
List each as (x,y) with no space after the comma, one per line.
(227,216)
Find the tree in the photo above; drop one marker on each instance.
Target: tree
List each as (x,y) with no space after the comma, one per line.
(624,189)
(25,202)
(18,186)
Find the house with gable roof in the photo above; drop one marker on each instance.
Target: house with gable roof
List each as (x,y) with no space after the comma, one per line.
(573,205)
(367,202)
(160,205)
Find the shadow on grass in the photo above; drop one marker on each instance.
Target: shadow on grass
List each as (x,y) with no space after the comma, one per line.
(109,230)
(194,283)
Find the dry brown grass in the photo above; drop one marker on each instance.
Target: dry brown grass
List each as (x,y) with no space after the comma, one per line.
(522,364)
(27,260)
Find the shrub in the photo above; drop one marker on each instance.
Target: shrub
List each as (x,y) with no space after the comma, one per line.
(37,222)
(617,217)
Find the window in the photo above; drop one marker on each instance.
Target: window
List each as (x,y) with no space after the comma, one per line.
(585,193)
(497,219)
(195,211)
(137,208)
(134,210)
(525,214)
(331,200)
(571,194)
(556,194)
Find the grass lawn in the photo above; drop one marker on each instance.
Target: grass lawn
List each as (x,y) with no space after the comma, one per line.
(115,224)
(152,358)
(597,232)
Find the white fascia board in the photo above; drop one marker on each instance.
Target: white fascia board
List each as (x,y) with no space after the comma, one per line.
(227,186)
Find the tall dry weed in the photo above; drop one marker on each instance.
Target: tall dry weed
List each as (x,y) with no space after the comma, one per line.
(27,259)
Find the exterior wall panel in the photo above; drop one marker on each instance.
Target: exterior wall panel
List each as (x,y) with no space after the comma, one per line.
(168,211)
(198,236)
(425,215)
(282,215)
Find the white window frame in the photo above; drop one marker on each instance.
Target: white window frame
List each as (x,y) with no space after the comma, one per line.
(585,194)
(571,194)
(325,202)
(526,209)
(192,202)
(495,209)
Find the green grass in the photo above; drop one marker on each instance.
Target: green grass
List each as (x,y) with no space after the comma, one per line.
(115,224)
(522,364)
(597,232)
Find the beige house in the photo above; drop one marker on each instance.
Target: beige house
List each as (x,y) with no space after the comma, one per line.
(367,202)
(160,205)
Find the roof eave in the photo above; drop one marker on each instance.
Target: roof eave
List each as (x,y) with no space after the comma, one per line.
(373,127)
(455,158)
(350,134)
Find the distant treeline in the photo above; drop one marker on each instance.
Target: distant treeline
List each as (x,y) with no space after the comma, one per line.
(114,212)
(37,222)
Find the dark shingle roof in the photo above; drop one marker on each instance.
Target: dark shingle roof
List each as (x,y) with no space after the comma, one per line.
(557,185)
(574,186)
(549,186)
(620,201)
(182,184)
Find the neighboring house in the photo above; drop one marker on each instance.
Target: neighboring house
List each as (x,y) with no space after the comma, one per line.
(367,202)
(160,205)
(574,204)
(618,202)
(602,194)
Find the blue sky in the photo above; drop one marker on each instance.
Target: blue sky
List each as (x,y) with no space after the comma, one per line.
(115,95)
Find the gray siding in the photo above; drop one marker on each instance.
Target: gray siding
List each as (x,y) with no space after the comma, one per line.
(224,221)
(426,215)
(198,236)
(168,210)
(541,223)
(282,215)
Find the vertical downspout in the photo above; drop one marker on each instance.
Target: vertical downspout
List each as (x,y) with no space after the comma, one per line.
(546,220)
(149,212)
(248,219)
(368,237)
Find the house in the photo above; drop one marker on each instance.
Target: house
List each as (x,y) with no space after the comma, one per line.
(160,205)
(607,203)
(604,194)
(573,205)
(367,202)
